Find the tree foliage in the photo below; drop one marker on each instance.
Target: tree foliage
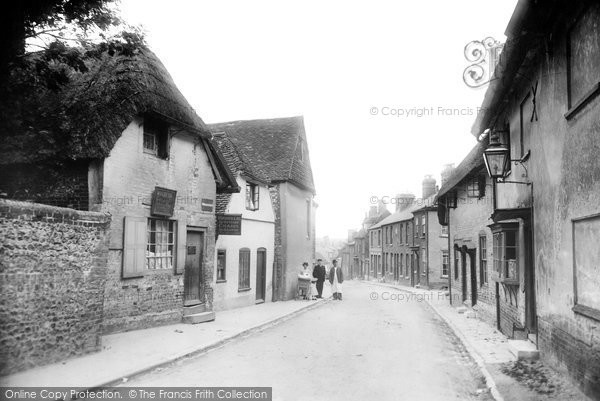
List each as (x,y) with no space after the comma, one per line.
(46,44)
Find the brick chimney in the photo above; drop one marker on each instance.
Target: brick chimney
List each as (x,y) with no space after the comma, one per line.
(428,186)
(446,172)
(403,201)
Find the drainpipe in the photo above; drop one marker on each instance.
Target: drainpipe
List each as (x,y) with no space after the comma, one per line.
(450,257)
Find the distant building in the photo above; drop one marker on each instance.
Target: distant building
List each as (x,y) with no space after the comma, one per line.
(278,149)
(371,224)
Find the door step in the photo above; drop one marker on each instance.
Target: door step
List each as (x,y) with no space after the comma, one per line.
(523,350)
(532,337)
(192,310)
(199,318)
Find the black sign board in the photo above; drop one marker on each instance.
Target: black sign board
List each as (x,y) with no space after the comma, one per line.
(163,202)
(229,224)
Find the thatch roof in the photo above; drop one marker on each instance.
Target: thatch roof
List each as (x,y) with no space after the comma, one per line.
(270,149)
(85,118)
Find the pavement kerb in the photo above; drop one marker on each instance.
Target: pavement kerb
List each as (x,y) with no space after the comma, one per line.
(209,347)
(489,380)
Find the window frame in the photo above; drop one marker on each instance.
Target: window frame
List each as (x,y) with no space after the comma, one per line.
(580,306)
(444,231)
(483,273)
(243,273)
(445,263)
(501,263)
(252,196)
(169,244)
(223,267)
(574,105)
(159,131)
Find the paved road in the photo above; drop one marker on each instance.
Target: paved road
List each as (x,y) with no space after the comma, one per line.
(356,349)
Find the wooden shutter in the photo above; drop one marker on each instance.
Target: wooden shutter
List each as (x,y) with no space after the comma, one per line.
(134,246)
(181,244)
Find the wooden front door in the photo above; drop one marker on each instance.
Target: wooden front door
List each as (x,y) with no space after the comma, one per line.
(261,274)
(193,289)
(463,272)
(473,269)
(530,306)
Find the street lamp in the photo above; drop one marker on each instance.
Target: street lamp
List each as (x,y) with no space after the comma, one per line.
(496,157)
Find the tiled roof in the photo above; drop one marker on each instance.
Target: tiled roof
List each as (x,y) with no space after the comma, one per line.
(402,215)
(271,148)
(236,161)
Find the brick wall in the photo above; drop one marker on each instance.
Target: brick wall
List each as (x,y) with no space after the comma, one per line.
(278,249)
(576,351)
(64,185)
(52,278)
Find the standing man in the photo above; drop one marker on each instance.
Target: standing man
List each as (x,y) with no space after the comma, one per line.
(336,278)
(319,273)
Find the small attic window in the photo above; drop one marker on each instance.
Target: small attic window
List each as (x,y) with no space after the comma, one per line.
(156,138)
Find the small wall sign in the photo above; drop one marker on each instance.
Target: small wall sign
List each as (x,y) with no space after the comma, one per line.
(229,224)
(163,202)
(206,205)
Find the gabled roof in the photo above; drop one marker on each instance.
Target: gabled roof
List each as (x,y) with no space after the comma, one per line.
(271,148)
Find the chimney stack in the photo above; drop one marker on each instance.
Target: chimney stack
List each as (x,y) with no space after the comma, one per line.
(428,186)
(403,201)
(351,235)
(446,172)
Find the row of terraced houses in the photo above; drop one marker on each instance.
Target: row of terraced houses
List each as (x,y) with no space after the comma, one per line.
(520,215)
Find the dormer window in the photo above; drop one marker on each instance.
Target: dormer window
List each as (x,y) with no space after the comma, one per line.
(476,187)
(156,138)
(252,197)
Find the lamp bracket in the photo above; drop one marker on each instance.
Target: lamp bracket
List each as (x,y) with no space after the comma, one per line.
(500,181)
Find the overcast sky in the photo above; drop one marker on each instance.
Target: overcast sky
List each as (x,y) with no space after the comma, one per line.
(343,66)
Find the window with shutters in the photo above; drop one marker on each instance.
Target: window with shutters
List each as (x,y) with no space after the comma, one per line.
(244,270)
(252,196)
(160,247)
(221,265)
